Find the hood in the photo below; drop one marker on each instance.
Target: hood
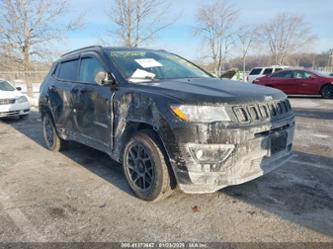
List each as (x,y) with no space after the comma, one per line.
(212,90)
(9,94)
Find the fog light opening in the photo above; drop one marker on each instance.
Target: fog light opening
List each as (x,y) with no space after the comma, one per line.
(211,153)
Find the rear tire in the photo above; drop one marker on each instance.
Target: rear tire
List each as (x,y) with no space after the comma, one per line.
(327,92)
(52,141)
(145,167)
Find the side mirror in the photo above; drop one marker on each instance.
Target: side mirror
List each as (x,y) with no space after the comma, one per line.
(19,88)
(104,78)
(312,77)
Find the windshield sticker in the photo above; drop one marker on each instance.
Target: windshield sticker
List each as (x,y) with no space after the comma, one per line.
(141,76)
(148,63)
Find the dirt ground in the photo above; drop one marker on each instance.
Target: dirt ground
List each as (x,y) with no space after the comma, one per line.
(81,195)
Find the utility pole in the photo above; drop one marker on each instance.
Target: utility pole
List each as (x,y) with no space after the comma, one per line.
(330,60)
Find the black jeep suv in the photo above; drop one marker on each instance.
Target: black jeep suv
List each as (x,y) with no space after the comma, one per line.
(166,120)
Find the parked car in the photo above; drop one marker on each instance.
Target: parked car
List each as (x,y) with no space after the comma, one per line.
(165,119)
(262,71)
(12,102)
(299,82)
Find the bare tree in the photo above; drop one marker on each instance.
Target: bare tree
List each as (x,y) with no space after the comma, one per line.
(215,23)
(138,21)
(286,34)
(247,37)
(28,26)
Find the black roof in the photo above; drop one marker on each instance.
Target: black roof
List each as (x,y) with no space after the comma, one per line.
(89,48)
(99,48)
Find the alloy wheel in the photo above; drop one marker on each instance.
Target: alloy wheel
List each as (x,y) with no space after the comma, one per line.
(140,167)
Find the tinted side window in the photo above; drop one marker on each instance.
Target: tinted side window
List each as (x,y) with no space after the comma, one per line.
(255,71)
(268,71)
(89,68)
(282,74)
(68,70)
(301,75)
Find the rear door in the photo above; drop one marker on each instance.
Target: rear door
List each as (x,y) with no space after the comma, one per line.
(282,80)
(92,118)
(59,93)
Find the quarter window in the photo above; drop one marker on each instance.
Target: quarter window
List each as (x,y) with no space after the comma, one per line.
(88,69)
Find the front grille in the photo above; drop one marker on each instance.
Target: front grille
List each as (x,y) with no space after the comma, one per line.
(260,112)
(7,101)
(241,114)
(254,113)
(10,113)
(264,111)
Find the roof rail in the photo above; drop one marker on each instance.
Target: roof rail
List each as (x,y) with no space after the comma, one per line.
(80,49)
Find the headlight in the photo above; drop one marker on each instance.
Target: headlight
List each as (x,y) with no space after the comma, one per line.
(22,99)
(204,114)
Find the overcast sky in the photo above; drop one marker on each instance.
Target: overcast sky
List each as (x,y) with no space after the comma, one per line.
(179,38)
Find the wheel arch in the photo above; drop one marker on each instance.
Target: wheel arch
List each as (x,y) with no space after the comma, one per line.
(132,128)
(324,85)
(45,110)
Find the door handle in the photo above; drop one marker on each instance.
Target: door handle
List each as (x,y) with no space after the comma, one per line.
(74,90)
(83,90)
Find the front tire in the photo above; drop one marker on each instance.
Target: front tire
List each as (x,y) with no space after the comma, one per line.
(52,141)
(23,117)
(145,167)
(327,92)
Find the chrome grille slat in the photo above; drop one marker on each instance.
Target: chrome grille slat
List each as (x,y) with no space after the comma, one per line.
(7,101)
(269,110)
(241,114)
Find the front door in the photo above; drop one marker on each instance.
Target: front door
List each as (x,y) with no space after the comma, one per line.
(304,83)
(282,81)
(92,112)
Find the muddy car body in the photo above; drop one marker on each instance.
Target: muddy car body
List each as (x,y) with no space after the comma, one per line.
(198,132)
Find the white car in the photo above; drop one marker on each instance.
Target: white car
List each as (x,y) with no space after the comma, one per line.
(12,102)
(262,71)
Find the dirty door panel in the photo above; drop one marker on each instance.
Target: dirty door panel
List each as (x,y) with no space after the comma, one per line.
(60,94)
(92,112)
(92,109)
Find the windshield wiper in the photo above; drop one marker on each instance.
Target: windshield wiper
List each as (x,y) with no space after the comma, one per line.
(143,78)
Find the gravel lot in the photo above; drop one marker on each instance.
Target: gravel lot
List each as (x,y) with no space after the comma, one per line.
(81,195)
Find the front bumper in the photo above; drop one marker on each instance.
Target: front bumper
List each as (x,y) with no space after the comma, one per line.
(16,109)
(254,154)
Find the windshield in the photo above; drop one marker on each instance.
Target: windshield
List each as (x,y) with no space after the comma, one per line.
(321,74)
(5,86)
(141,66)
